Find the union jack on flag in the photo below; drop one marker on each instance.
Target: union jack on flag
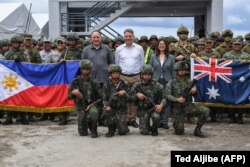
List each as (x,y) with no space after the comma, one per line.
(221,82)
(213,69)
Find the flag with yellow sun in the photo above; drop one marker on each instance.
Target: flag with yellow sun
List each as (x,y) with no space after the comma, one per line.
(36,87)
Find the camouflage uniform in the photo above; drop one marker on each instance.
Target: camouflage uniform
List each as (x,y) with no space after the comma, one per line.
(225,47)
(247,47)
(118,114)
(209,53)
(91,92)
(175,89)
(70,54)
(32,54)
(18,56)
(154,93)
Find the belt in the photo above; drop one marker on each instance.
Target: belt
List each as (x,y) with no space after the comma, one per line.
(130,75)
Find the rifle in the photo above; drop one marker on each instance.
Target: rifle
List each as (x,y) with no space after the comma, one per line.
(185,92)
(148,100)
(113,98)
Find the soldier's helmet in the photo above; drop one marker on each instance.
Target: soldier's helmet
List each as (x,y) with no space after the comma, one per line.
(181,65)
(153,37)
(85,64)
(227,32)
(114,68)
(119,39)
(247,36)
(143,38)
(215,35)
(72,35)
(182,29)
(146,68)
(237,41)
(16,38)
(106,40)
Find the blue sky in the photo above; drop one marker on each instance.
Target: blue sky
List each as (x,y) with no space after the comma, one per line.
(236,17)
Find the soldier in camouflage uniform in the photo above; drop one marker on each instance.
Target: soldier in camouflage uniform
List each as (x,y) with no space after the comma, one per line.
(246,48)
(178,92)
(17,55)
(86,94)
(148,95)
(71,53)
(4,46)
(226,46)
(209,52)
(183,48)
(236,54)
(115,96)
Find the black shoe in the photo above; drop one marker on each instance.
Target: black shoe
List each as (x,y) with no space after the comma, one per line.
(83,133)
(111,131)
(134,124)
(44,118)
(155,133)
(31,118)
(63,122)
(165,126)
(197,132)
(7,122)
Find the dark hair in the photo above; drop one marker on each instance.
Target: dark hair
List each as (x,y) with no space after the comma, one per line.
(157,51)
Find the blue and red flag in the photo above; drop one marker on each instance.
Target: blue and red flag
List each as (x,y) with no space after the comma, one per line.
(222,83)
(36,87)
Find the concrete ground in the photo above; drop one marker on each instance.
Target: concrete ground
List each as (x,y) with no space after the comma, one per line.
(45,144)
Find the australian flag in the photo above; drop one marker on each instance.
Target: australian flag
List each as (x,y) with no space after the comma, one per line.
(221,82)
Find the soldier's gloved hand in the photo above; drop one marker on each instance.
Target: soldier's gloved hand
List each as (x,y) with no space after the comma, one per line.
(77,93)
(158,108)
(140,96)
(121,93)
(181,100)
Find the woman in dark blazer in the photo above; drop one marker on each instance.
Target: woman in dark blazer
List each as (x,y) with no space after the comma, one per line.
(163,65)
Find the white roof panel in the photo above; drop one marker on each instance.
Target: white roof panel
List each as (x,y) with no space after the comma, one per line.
(41,18)
(7,9)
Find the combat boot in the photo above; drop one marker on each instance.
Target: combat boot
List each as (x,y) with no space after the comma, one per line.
(232,118)
(94,129)
(64,120)
(110,131)
(31,117)
(198,132)
(239,119)
(8,119)
(24,120)
(154,130)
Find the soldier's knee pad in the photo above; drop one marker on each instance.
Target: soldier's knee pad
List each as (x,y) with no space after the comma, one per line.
(93,113)
(156,117)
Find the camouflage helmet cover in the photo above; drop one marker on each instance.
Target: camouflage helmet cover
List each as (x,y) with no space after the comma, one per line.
(114,68)
(247,36)
(146,68)
(215,34)
(181,65)
(16,38)
(85,63)
(227,32)
(182,29)
(72,35)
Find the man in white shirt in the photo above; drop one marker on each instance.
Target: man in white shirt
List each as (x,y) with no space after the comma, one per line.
(130,57)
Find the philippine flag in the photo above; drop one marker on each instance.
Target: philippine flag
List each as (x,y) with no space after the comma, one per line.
(36,87)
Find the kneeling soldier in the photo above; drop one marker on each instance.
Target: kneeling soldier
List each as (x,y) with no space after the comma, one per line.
(179,91)
(115,96)
(148,95)
(86,94)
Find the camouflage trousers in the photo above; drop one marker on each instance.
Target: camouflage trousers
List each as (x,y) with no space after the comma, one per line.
(144,120)
(118,118)
(86,119)
(179,114)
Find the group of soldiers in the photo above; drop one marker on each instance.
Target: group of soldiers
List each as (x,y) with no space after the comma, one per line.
(148,95)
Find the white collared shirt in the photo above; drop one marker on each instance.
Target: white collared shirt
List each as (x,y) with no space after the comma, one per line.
(130,59)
